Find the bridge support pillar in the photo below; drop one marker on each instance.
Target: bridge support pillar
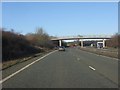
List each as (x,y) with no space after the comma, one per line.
(103,43)
(81,43)
(60,42)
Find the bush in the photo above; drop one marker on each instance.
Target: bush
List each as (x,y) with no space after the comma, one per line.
(114,41)
(16,45)
(40,38)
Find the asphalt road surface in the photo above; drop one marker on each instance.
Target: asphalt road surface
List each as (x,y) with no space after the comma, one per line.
(70,69)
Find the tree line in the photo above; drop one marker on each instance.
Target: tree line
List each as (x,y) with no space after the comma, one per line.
(114,41)
(15,45)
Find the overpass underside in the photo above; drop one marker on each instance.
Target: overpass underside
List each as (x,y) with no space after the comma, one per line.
(100,40)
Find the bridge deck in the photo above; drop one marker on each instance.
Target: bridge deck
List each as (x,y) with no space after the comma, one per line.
(71,38)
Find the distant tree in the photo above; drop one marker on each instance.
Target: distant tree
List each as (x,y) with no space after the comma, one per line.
(31,38)
(114,41)
(80,36)
(40,31)
(40,38)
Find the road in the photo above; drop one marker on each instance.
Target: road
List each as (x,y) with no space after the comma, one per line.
(70,69)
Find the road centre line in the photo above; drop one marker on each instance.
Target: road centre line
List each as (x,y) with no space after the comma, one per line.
(10,76)
(92,68)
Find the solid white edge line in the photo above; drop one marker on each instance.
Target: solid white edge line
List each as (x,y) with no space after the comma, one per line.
(10,76)
(91,68)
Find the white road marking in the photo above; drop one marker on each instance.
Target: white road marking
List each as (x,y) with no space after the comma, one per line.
(10,76)
(91,68)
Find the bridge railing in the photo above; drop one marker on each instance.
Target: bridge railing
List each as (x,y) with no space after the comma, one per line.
(100,36)
(84,36)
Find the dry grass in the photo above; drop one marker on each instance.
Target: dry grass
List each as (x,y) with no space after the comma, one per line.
(106,52)
(13,62)
(10,63)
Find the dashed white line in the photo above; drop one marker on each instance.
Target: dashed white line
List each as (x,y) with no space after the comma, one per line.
(10,76)
(92,68)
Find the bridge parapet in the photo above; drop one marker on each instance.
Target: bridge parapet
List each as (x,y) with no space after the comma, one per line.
(83,37)
(106,36)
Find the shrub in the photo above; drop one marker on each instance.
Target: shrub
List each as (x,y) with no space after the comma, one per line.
(16,45)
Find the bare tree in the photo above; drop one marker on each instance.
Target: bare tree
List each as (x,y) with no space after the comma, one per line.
(40,38)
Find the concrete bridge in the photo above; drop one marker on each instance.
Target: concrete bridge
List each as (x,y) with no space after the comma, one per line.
(83,38)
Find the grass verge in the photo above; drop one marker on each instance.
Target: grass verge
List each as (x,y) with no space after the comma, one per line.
(11,63)
(113,53)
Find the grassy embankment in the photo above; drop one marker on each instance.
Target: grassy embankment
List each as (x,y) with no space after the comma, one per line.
(110,52)
(17,48)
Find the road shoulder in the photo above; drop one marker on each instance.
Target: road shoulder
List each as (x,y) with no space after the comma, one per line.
(8,71)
